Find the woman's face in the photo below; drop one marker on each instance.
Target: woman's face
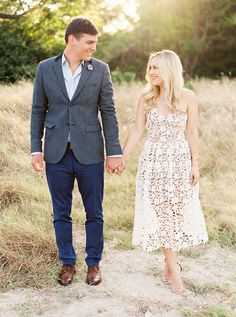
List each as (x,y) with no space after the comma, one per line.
(154,72)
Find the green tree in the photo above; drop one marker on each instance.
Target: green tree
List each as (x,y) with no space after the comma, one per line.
(202,32)
(30,33)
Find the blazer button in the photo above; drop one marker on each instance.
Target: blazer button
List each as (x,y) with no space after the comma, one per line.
(71,104)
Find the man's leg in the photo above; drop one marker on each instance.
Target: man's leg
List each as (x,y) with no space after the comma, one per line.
(91,184)
(60,177)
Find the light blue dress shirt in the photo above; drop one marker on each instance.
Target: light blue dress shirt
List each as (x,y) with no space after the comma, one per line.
(71,80)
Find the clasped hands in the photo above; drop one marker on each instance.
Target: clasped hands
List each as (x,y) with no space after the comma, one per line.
(115,165)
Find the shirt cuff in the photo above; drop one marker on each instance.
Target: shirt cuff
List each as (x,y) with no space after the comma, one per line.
(35,153)
(118,155)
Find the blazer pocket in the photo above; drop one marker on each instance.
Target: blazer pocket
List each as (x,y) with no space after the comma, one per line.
(90,85)
(93,128)
(49,125)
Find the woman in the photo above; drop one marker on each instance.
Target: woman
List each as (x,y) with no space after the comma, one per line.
(168,213)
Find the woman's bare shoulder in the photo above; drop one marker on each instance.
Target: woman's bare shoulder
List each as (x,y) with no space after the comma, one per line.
(187,93)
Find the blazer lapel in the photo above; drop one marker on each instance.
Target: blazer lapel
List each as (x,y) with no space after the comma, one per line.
(84,76)
(58,70)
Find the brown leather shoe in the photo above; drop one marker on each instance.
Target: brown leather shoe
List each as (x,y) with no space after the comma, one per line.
(93,275)
(67,274)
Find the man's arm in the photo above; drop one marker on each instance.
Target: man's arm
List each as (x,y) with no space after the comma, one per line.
(109,122)
(108,115)
(38,113)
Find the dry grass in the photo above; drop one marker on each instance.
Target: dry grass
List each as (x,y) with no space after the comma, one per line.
(27,245)
(27,254)
(212,311)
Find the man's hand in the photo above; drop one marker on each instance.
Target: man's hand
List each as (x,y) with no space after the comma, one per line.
(114,165)
(37,162)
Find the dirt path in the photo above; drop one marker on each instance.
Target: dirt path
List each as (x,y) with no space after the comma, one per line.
(131,287)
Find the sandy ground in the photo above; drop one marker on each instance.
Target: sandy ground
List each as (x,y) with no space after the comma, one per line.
(132,287)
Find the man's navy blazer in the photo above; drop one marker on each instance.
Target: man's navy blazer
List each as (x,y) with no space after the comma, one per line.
(53,111)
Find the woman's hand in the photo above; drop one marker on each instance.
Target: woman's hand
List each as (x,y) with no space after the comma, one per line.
(119,169)
(194,175)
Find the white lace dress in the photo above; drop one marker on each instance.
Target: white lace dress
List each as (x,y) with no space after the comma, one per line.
(167,208)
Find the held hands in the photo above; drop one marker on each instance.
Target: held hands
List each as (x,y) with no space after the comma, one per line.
(115,165)
(37,162)
(194,175)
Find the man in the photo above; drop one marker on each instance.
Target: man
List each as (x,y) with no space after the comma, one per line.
(69,92)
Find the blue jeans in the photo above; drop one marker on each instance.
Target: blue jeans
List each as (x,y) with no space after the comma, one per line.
(90,179)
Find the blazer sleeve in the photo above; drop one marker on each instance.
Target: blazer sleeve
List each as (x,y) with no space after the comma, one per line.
(38,112)
(108,115)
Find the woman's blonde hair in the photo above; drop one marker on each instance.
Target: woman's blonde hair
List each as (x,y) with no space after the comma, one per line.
(171,72)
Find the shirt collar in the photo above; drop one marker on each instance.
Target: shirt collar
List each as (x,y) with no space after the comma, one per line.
(64,60)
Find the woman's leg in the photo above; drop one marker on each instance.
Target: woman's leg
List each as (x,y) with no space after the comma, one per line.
(166,278)
(173,270)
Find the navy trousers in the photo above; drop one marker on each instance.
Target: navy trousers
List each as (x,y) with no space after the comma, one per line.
(90,178)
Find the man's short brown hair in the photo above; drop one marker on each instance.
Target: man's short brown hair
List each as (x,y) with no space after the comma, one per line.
(79,26)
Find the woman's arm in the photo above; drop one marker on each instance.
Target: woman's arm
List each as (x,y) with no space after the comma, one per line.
(192,134)
(136,131)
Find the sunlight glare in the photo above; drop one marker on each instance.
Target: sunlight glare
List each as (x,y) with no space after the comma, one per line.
(129,8)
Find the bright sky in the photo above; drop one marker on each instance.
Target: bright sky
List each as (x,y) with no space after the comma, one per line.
(129,8)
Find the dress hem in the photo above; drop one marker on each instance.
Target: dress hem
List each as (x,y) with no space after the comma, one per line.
(202,243)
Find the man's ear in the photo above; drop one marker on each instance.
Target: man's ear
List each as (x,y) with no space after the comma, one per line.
(71,39)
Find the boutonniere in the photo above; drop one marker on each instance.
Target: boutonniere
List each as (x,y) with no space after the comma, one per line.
(89,67)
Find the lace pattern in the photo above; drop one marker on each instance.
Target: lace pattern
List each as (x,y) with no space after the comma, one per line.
(167,208)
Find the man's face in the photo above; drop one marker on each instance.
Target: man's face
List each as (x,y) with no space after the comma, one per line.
(84,46)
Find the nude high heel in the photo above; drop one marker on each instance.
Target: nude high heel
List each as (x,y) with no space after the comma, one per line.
(177,290)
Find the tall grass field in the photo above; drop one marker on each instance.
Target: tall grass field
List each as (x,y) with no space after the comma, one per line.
(28,255)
